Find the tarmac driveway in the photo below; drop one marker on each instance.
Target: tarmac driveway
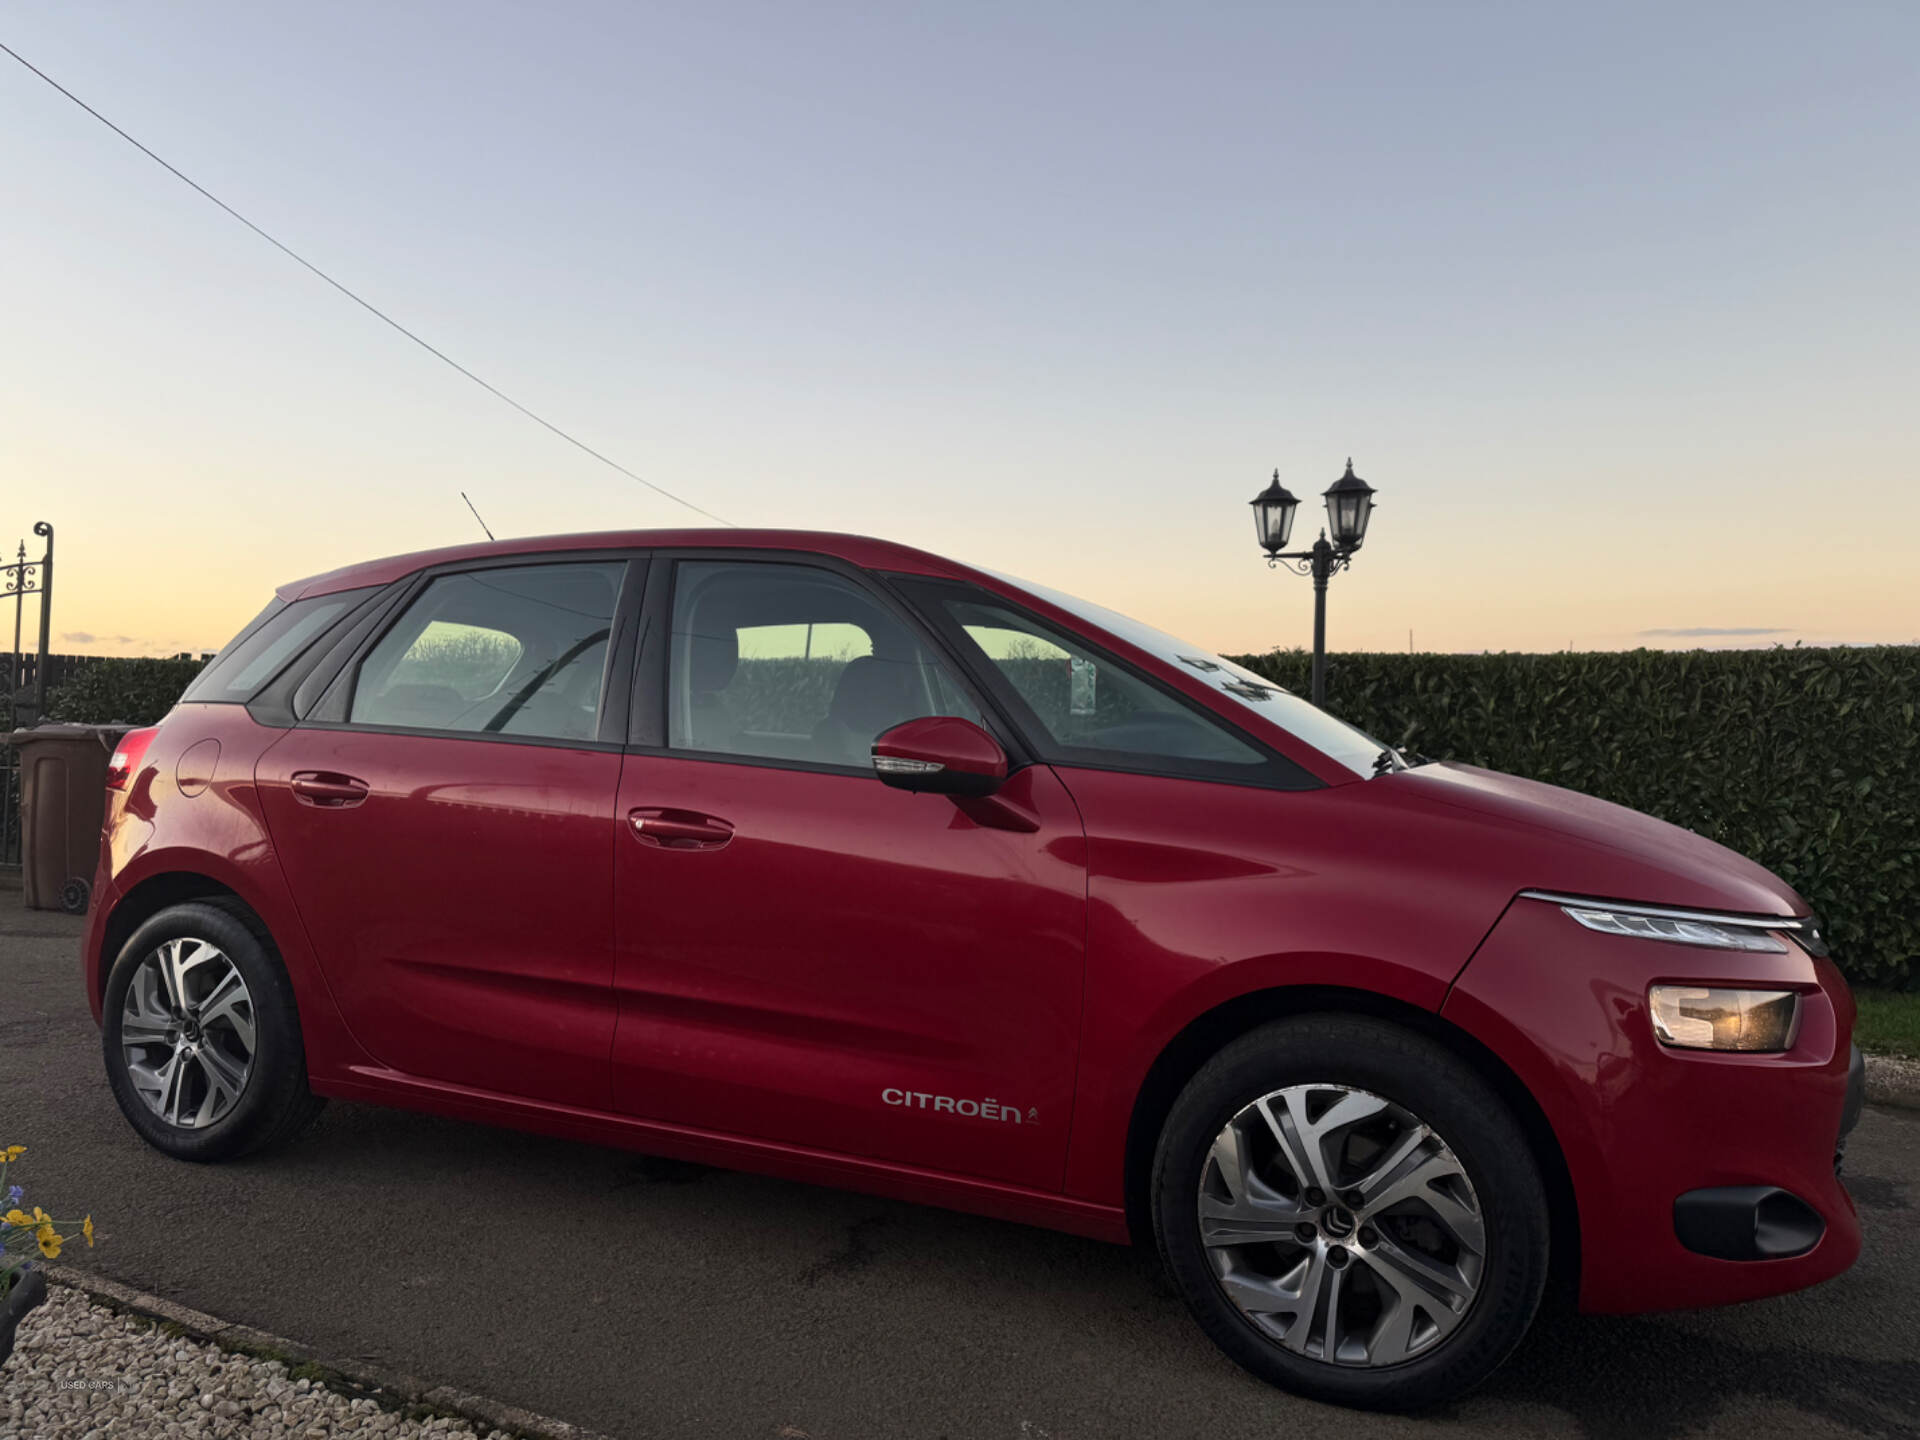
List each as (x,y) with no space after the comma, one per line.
(647,1298)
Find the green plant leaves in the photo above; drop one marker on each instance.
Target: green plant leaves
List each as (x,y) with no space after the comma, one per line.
(122,690)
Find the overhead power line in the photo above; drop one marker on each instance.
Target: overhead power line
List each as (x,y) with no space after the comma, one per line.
(366,305)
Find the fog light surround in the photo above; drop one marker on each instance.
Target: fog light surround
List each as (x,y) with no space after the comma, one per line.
(1711,1017)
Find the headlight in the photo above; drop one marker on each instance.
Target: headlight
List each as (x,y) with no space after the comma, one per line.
(1715,934)
(1694,1017)
(1682,927)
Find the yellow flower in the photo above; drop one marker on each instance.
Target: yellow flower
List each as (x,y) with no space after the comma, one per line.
(86,1229)
(40,1217)
(18,1217)
(49,1242)
(12,1153)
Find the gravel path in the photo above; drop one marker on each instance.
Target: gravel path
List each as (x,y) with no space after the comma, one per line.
(83,1372)
(1893,1080)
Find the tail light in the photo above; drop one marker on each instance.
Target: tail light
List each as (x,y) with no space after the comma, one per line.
(126,759)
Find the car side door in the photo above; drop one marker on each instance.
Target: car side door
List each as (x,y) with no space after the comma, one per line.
(444,821)
(1169,794)
(803,954)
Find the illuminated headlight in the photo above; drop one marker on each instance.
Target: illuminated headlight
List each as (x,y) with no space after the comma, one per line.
(1679,928)
(1695,1017)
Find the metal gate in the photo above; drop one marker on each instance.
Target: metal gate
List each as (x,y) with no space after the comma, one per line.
(9,808)
(22,578)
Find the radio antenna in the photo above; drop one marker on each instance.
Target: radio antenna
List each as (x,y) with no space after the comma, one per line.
(476,514)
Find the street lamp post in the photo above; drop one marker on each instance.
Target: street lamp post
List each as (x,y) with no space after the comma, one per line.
(1349,507)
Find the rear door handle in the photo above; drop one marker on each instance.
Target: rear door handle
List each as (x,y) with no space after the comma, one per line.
(679,829)
(327,790)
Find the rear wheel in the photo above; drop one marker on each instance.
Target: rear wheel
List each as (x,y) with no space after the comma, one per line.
(202,1038)
(1351,1213)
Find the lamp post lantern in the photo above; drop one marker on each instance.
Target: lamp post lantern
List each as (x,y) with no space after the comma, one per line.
(1349,508)
(1273,511)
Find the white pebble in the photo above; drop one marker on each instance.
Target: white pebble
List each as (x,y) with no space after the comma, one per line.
(79,1371)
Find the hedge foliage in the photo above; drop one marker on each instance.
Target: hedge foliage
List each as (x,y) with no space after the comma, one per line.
(122,691)
(1807,760)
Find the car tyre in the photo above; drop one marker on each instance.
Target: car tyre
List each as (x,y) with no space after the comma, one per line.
(219,1069)
(1391,1330)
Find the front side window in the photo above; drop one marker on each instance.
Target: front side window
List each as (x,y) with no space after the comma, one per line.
(518,650)
(1087,704)
(1333,737)
(790,662)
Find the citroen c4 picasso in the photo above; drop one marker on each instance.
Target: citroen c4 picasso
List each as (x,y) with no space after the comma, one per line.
(824,857)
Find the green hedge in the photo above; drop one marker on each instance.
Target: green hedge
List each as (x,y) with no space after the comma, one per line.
(1807,760)
(118,690)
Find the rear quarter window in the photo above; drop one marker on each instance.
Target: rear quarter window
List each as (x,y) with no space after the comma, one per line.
(268,644)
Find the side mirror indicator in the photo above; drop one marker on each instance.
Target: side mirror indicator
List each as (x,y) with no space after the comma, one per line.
(901,765)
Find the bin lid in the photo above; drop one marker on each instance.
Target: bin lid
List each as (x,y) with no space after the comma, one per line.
(98,734)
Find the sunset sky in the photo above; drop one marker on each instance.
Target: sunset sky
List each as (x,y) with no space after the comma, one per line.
(1617,306)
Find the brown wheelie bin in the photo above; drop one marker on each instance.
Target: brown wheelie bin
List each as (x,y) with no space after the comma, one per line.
(63,791)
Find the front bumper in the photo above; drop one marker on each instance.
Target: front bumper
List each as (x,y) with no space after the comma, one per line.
(1764,1222)
(1642,1127)
(1856,1102)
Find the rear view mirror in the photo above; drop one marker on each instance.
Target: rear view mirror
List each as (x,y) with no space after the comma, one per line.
(940,755)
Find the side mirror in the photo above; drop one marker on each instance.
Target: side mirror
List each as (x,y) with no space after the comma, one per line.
(940,755)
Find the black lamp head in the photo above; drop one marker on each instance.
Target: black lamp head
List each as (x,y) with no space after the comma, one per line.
(1349,507)
(1273,511)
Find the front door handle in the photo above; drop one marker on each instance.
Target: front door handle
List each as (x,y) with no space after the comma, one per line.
(328,790)
(679,829)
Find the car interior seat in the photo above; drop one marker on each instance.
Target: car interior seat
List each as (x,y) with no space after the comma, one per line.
(871,695)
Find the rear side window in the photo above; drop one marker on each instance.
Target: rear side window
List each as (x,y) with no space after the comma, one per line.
(471,660)
(517,650)
(268,645)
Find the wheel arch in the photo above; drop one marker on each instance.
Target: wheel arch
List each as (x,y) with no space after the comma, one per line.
(256,895)
(160,892)
(1203,1037)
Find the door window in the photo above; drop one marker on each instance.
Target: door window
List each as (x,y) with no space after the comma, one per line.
(519,650)
(791,662)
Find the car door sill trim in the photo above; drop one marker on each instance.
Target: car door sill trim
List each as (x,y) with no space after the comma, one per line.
(385,1086)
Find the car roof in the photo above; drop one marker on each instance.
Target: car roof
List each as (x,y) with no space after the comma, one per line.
(860,550)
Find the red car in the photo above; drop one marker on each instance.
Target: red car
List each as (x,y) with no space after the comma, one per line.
(825,857)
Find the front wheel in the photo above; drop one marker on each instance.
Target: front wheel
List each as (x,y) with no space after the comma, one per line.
(1351,1213)
(202,1037)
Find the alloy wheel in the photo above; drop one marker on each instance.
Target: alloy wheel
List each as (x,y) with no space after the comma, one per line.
(1341,1225)
(187,1032)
